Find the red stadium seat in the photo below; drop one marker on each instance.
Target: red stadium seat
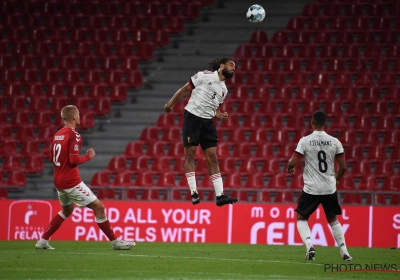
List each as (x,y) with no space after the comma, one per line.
(133,150)
(105,194)
(297,182)
(100,179)
(362,123)
(248,166)
(284,197)
(346,183)
(11,163)
(258,37)
(369,138)
(144,179)
(140,164)
(360,168)
(117,164)
(278,181)
(383,169)
(29,148)
(161,164)
(122,179)
(233,181)
(102,106)
(264,51)
(391,138)
(166,180)
(379,199)
(368,183)
(255,181)
(34,164)
(352,198)
(3,191)
(118,94)
(45,134)
(270,65)
(150,134)
(227,165)
(395,199)
(16,178)
(24,133)
(8,148)
(20,119)
(391,184)
(265,197)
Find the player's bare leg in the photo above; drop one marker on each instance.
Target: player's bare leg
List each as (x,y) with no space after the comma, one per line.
(215,174)
(104,224)
(338,234)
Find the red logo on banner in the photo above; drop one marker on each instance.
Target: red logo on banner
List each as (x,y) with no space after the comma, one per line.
(28,219)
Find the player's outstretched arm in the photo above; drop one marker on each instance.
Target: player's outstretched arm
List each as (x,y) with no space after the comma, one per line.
(178,95)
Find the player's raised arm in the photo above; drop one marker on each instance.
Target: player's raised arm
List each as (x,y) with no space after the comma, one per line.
(178,95)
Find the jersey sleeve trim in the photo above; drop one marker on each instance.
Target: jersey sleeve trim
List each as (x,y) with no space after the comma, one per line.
(340,155)
(191,83)
(297,154)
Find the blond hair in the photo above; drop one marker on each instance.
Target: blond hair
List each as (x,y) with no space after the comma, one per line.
(68,113)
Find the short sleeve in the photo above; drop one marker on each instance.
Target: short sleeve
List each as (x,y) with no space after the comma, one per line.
(196,79)
(339,149)
(300,147)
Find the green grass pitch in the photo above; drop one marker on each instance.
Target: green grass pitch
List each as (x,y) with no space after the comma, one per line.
(96,260)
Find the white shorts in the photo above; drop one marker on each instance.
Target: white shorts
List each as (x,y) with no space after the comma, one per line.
(81,195)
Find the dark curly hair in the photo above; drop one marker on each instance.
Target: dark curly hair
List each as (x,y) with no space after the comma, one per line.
(214,64)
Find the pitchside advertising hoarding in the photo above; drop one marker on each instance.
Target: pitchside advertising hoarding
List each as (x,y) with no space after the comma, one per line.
(275,224)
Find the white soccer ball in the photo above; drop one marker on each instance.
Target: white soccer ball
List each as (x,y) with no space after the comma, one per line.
(255,13)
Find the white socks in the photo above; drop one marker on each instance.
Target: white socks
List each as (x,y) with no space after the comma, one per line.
(338,234)
(191,179)
(217,182)
(305,233)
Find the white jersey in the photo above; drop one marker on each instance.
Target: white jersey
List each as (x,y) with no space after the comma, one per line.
(208,94)
(319,150)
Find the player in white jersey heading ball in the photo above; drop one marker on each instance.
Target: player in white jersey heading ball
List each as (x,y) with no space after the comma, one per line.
(320,150)
(208,93)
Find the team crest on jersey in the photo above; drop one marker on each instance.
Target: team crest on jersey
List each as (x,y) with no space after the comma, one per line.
(76,147)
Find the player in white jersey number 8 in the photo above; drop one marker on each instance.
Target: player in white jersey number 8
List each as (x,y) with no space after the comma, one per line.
(208,93)
(320,150)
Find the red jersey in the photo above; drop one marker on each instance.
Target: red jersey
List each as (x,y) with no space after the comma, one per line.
(66,147)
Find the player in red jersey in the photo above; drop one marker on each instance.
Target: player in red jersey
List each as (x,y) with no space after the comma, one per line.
(71,190)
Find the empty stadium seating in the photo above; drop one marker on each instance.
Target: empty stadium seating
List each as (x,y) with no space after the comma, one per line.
(339,56)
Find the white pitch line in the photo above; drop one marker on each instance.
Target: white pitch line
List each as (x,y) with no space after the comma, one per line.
(220,259)
(181,257)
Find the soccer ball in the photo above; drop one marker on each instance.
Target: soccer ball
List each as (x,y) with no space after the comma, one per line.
(255,14)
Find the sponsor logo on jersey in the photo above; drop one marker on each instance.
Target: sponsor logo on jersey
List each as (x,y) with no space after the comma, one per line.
(59,137)
(76,147)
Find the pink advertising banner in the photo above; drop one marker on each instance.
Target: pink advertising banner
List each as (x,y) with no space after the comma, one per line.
(275,224)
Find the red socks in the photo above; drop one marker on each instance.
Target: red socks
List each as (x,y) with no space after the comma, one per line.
(53,226)
(107,229)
